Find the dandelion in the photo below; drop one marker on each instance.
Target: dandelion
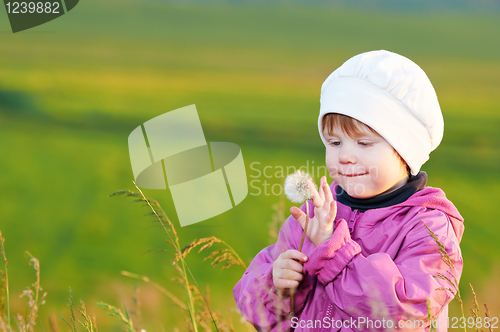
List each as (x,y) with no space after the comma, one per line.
(297,190)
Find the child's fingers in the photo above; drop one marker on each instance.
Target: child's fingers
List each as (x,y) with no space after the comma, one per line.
(333,209)
(315,197)
(291,265)
(285,283)
(287,264)
(289,275)
(287,269)
(325,189)
(285,280)
(331,214)
(321,191)
(328,192)
(292,254)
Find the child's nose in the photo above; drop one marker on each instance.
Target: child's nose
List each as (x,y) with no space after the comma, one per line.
(346,156)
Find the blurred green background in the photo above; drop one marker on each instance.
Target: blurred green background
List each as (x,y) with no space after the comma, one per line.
(73,89)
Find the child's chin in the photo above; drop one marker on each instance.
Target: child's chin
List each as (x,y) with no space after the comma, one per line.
(360,192)
(360,196)
(356,189)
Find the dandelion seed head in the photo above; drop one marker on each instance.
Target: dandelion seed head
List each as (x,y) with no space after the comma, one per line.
(296,188)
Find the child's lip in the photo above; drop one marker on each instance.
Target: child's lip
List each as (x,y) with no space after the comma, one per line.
(353,175)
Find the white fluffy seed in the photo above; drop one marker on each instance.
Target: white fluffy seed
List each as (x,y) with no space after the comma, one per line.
(296,188)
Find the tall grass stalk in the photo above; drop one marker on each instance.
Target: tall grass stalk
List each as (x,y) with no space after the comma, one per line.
(488,315)
(455,290)
(5,279)
(184,265)
(197,304)
(475,312)
(35,297)
(35,300)
(115,312)
(89,324)
(158,212)
(432,328)
(451,272)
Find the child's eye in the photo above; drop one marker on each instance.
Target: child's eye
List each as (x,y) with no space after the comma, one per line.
(335,143)
(364,143)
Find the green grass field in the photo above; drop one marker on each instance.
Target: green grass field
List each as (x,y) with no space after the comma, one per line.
(73,89)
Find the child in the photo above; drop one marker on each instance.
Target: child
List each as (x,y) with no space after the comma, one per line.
(368,261)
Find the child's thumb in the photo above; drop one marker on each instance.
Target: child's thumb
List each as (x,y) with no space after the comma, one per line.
(299,215)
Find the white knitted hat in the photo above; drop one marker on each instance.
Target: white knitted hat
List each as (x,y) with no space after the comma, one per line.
(392,95)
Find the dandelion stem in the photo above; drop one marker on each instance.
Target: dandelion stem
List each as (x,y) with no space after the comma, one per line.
(292,302)
(305,227)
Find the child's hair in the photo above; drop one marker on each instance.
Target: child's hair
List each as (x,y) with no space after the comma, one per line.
(351,127)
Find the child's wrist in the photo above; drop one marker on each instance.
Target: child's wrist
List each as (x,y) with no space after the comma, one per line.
(324,239)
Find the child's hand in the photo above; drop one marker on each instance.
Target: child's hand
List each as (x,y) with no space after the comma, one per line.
(287,271)
(320,228)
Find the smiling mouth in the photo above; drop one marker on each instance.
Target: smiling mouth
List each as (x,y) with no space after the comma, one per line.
(352,175)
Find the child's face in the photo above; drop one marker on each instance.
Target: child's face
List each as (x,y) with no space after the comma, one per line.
(364,165)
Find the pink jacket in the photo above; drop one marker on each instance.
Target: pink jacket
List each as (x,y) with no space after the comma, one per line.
(379,265)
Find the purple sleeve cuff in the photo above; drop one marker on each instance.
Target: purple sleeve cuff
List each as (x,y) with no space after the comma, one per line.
(270,298)
(330,257)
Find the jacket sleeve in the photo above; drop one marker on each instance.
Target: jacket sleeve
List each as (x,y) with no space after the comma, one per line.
(255,294)
(380,286)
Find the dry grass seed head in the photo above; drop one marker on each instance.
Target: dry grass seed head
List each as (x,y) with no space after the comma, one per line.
(207,243)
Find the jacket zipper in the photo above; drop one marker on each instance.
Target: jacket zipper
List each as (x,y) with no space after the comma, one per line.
(328,313)
(329,310)
(352,220)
